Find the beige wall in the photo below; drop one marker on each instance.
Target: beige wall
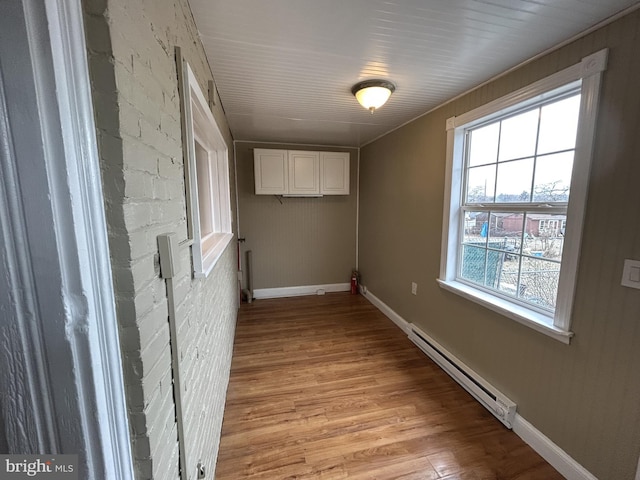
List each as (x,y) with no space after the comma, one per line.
(134,79)
(584,397)
(296,241)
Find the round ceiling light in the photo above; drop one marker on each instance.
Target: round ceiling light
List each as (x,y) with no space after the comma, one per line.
(372,94)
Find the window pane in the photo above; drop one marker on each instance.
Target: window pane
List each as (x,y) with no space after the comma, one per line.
(558,125)
(494,262)
(518,136)
(507,281)
(514,181)
(553,177)
(476,227)
(505,232)
(473,262)
(483,145)
(544,235)
(539,282)
(481,184)
(204,190)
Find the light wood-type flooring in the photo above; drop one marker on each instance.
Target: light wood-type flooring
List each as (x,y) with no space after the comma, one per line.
(326,387)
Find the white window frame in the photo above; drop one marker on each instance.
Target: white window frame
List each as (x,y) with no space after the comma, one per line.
(200,126)
(587,74)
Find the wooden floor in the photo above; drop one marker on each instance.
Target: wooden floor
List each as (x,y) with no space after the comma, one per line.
(326,387)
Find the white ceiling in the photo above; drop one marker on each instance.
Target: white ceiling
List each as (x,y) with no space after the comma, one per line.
(284,68)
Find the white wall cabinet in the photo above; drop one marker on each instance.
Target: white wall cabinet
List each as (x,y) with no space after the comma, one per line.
(271,171)
(334,173)
(301,172)
(304,173)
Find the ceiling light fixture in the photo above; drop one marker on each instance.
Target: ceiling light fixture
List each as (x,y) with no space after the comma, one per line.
(372,94)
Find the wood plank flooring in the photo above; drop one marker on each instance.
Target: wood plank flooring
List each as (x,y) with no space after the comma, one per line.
(326,387)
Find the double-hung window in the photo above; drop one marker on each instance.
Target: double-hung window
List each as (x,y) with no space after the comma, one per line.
(517,172)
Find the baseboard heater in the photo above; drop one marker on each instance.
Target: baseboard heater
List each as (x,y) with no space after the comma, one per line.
(494,401)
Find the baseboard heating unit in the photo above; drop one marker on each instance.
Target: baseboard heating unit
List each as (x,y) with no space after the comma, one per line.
(494,401)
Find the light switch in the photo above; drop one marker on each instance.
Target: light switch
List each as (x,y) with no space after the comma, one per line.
(631,274)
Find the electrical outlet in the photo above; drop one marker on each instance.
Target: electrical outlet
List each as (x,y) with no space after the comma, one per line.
(414,288)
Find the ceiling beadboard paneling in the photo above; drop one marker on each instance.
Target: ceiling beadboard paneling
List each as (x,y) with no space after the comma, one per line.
(284,68)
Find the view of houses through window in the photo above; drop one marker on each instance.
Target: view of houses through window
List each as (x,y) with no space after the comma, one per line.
(517,180)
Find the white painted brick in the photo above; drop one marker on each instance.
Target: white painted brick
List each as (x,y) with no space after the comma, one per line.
(129,120)
(151,135)
(138,215)
(157,346)
(103,78)
(139,156)
(95,7)
(165,429)
(138,423)
(144,180)
(100,40)
(152,324)
(138,185)
(145,270)
(144,468)
(170,168)
(170,126)
(166,465)
(151,378)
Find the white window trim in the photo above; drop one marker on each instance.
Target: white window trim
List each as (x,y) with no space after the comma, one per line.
(588,73)
(201,125)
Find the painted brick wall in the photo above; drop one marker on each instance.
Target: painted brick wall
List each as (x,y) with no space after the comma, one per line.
(133,71)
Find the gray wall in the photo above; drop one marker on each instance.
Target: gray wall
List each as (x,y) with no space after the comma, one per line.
(296,241)
(134,79)
(584,396)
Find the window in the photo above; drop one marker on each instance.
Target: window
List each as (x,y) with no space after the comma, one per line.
(207,178)
(517,170)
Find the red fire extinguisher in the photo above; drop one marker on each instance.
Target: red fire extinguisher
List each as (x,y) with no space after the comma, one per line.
(354,282)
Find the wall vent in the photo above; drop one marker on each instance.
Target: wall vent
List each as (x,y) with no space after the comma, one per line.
(494,401)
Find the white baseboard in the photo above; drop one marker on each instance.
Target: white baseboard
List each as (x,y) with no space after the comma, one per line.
(552,453)
(384,308)
(300,290)
(548,450)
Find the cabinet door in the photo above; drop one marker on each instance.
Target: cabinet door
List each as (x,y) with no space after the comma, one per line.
(334,173)
(271,172)
(304,173)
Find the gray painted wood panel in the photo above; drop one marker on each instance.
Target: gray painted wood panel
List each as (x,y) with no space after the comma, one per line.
(584,396)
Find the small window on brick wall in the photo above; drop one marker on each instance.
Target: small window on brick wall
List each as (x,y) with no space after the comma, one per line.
(206,176)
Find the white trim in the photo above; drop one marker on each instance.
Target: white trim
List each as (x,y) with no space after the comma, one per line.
(552,453)
(384,308)
(212,255)
(68,290)
(587,75)
(638,470)
(357,210)
(300,290)
(102,389)
(592,65)
(530,318)
(548,450)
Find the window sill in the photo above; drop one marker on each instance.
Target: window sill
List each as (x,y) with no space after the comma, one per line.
(213,253)
(537,321)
